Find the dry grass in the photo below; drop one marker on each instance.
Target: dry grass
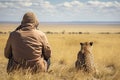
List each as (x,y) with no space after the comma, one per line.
(64,51)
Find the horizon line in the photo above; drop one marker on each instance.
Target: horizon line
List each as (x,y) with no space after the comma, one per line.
(69,22)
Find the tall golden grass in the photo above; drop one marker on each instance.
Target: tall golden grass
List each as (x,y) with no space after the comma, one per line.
(64,52)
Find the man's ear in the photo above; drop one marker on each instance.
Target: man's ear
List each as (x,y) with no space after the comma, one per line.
(81,44)
(91,43)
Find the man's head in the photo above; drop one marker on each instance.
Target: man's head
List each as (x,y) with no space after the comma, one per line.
(30,18)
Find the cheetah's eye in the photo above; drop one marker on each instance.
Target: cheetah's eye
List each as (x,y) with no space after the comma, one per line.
(91,43)
(81,44)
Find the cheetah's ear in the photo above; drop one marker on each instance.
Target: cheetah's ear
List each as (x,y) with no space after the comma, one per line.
(91,43)
(81,44)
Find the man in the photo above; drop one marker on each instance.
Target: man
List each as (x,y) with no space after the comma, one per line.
(27,47)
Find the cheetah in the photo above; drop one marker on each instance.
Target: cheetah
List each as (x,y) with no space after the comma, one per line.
(85,58)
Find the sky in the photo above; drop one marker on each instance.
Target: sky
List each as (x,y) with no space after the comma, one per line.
(61,10)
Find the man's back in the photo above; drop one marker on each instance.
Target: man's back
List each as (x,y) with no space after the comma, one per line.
(27,46)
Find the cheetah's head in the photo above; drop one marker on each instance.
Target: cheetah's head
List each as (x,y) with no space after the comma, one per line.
(86,46)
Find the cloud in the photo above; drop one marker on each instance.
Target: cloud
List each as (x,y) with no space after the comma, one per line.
(25,4)
(104,8)
(28,5)
(48,5)
(99,4)
(2,5)
(68,10)
(90,10)
(71,4)
(5,4)
(89,5)
(15,4)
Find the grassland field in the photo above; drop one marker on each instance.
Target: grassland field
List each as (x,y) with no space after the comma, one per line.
(106,51)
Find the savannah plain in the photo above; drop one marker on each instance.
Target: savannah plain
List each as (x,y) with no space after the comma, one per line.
(65,43)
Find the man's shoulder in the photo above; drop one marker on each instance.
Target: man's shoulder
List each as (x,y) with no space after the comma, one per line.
(14,32)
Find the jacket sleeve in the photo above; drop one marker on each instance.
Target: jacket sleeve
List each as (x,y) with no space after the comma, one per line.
(8,49)
(46,51)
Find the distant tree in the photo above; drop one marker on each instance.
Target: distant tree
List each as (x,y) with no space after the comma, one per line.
(1,32)
(49,32)
(80,32)
(63,32)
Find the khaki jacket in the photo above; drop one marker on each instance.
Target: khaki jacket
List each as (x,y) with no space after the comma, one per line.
(28,48)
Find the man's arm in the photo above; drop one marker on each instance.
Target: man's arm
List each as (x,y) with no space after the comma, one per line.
(8,49)
(46,51)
